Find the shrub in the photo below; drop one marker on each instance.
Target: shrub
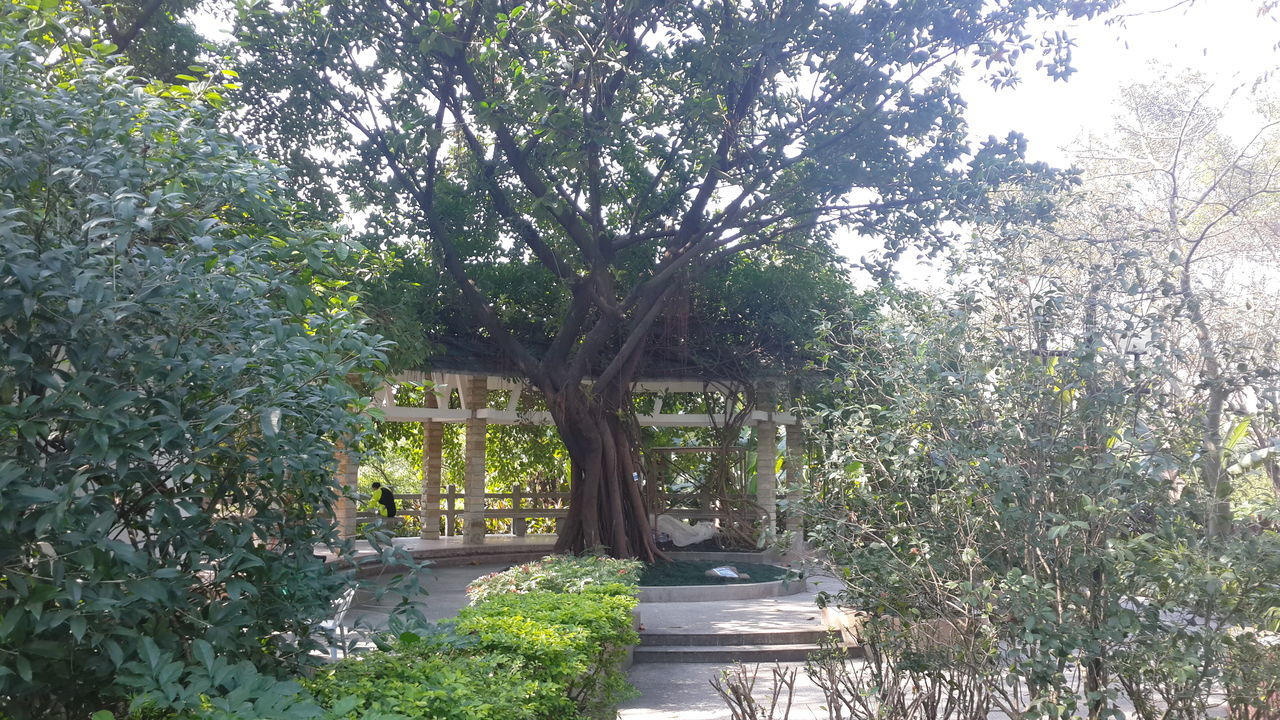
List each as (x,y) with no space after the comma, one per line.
(556,573)
(422,680)
(578,640)
(1027,506)
(533,656)
(174,372)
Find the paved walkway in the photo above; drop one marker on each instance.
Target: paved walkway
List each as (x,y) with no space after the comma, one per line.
(444,594)
(668,691)
(454,547)
(682,691)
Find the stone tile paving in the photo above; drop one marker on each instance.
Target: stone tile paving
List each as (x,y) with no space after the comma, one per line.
(780,613)
(682,691)
(445,594)
(668,691)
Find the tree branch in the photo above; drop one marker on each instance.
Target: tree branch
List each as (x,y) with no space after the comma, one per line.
(524,229)
(123,39)
(519,162)
(424,198)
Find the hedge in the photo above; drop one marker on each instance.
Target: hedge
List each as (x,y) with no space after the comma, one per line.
(537,655)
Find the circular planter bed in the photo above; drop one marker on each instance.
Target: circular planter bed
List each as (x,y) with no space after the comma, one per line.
(686,581)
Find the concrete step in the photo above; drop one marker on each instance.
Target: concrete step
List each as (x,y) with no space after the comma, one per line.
(798,636)
(725,653)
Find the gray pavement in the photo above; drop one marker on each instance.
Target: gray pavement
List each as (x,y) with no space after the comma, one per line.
(444,594)
(789,612)
(667,691)
(683,691)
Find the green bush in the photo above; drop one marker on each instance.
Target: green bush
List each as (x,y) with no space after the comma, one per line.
(578,640)
(1007,521)
(556,573)
(174,372)
(421,680)
(533,656)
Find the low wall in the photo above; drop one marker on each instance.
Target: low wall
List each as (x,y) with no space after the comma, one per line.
(767,557)
(451,552)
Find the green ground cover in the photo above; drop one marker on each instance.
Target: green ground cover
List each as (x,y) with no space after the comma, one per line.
(541,641)
(694,572)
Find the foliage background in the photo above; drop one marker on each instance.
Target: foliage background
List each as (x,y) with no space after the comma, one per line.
(1005,471)
(177,366)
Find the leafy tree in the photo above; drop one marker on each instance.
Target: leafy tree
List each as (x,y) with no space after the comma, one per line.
(1169,188)
(606,154)
(174,377)
(1000,496)
(157,36)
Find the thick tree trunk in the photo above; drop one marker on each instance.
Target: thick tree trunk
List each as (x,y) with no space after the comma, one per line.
(1216,480)
(606,507)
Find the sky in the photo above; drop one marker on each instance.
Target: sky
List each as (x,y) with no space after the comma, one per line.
(1225,40)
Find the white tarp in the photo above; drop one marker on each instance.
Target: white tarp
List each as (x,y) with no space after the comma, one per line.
(682,533)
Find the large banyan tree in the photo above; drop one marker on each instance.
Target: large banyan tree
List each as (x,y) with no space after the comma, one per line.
(611,153)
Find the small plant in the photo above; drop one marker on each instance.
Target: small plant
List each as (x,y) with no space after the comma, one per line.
(737,686)
(556,573)
(419,680)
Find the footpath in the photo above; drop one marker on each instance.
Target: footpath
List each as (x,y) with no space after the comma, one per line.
(684,645)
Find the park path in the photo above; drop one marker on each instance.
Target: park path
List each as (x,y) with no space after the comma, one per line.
(682,690)
(667,690)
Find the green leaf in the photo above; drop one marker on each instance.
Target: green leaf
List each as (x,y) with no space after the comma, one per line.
(1237,434)
(203,651)
(218,415)
(345,706)
(78,624)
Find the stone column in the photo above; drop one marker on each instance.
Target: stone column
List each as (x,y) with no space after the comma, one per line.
(348,476)
(475,392)
(766,471)
(794,466)
(429,507)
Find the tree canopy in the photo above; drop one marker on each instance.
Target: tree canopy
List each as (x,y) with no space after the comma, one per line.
(614,151)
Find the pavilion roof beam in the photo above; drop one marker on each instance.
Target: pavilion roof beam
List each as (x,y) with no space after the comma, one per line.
(396,413)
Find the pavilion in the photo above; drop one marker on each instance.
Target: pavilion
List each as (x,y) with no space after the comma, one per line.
(478,399)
